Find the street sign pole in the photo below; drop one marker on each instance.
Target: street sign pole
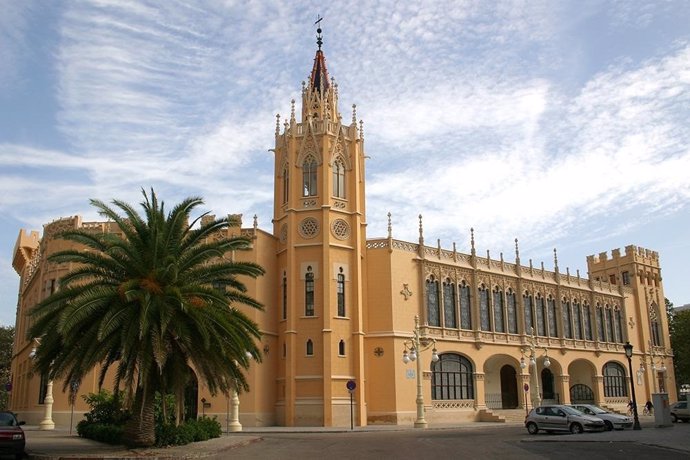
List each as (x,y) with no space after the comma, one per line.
(351,385)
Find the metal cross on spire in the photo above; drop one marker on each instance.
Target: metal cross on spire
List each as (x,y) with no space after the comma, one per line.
(319,38)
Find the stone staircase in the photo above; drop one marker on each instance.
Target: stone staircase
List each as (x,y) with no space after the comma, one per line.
(513,416)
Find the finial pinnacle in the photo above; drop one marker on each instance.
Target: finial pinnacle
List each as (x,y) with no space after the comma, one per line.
(555,259)
(390,226)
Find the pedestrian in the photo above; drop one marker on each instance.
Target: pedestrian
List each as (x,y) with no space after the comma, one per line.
(648,407)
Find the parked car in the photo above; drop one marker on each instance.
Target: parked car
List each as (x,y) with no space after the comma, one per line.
(611,420)
(12,439)
(561,418)
(679,411)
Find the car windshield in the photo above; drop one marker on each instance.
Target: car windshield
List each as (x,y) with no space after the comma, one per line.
(596,410)
(7,420)
(571,411)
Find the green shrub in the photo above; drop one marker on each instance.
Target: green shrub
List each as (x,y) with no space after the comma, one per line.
(102,432)
(190,431)
(106,408)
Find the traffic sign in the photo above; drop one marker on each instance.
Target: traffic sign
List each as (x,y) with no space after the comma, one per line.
(351,385)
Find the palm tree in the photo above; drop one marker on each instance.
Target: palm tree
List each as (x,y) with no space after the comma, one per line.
(145,301)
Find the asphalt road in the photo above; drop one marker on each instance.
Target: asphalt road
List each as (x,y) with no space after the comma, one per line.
(505,443)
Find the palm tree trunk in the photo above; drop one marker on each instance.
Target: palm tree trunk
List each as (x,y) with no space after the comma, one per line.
(140,429)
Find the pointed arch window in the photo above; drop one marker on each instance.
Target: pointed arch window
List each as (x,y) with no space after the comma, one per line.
(577,320)
(449,310)
(551,311)
(484,317)
(286,184)
(310,348)
(587,319)
(499,323)
(433,318)
(465,313)
(619,325)
(541,315)
(341,294)
(600,323)
(339,178)
(654,324)
(285,295)
(609,324)
(529,317)
(512,311)
(567,319)
(341,348)
(309,292)
(309,176)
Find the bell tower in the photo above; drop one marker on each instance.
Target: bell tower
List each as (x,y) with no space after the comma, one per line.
(319,222)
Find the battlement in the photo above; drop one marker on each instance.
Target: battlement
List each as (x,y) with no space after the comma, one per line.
(632,254)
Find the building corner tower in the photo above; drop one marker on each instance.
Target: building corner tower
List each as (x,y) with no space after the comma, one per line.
(319,222)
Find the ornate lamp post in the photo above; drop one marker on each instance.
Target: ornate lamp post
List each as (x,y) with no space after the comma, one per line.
(47,423)
(532,342)
(416,345)
(628,353)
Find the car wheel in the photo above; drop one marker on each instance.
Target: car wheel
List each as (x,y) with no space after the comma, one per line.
(532,428)
(674,419)
(576,428)
(609,425)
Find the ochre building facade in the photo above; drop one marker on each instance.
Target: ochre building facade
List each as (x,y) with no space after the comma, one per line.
(341,308)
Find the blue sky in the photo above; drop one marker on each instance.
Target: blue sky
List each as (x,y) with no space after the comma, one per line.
(561,123)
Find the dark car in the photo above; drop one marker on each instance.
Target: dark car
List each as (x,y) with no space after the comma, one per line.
(679,411)
(11,435)
(561,418)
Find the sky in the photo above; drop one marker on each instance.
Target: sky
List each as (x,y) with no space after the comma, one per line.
(561,123)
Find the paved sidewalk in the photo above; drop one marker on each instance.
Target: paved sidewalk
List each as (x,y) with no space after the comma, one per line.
(60,445)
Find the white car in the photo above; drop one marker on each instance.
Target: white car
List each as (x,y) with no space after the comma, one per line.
(612,421)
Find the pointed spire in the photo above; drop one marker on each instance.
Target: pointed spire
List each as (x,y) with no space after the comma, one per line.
(354,114)
(292,112)
(319,81)
(277,124)
(472,248)
(517,252)
(555,260)
(361,129)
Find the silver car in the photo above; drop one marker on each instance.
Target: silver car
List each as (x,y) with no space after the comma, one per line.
(561,418)
(679,411)
(611,420)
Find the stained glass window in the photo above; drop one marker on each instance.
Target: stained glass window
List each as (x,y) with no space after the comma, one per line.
(587,317)
(553,321)
(529,318)
(567,319)
(619,326)
(498,310)
(577,319)
(541,313)
(609,324)
(484,319)
(512,312)
(600,323)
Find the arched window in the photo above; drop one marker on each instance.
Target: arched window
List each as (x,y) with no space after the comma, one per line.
(310,348)
(553,322)
(484,320)
(465,313)
(567,319)
(432,302)
(615,384)
(449,309)
(600,323)
(452,378)
(587,318)
(498,310)
(286,184)
(529,317)
(654,324)
(609,323)
(541,315)
(577,320)
(339,178)
(309,292)
(341,348)
(309,176)
(341,293)
(285,296)
(512,312)
(619,326)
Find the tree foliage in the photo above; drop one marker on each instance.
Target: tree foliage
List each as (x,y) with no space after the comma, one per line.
(145,301)
(6,344)
(680,342)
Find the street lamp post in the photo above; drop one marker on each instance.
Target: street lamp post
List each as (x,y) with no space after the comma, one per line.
(47,422)
(628,353)
(416,345)
(532,342)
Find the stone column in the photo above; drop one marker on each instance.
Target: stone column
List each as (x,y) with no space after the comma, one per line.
(564,388)
(479,396)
